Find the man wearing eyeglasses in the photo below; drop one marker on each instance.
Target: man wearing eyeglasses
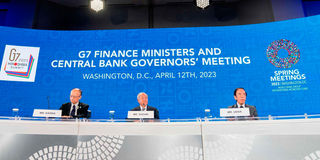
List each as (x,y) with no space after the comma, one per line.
(75,109)
(143,105)
(240,95)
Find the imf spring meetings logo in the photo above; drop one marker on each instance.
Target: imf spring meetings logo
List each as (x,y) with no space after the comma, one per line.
(19,63)
(287,62)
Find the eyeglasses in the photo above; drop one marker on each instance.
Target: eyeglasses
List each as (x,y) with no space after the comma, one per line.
(71,96)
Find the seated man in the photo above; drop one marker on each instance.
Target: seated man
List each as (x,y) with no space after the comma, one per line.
(75,109)
(143,101)
(240,96)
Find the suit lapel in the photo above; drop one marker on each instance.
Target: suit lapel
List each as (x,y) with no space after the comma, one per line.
(69,106)
(79,105)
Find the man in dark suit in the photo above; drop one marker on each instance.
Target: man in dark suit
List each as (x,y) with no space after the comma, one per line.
(240,95)
(75,109)
(143,101)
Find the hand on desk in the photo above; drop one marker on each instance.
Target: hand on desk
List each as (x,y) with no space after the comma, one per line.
(66,117)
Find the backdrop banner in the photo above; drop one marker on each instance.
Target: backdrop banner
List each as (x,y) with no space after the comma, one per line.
(183,70)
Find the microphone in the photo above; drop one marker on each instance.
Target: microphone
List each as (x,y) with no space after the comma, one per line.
(48,99)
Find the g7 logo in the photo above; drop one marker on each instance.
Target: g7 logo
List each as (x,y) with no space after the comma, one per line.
(14,55)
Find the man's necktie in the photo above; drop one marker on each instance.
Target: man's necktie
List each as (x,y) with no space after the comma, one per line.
(73,111)
(241,107)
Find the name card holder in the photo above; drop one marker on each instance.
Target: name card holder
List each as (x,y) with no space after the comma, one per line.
(140,114)
(232,112)
(47,113)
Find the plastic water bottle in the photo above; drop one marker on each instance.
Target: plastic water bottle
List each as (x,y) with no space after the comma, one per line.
(207,114)
(111,115)
(15,113)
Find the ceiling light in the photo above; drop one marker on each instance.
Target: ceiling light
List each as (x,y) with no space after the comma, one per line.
(202,3)
(96,5)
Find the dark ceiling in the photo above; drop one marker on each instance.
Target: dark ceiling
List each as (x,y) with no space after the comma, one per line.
(131,14)
(77,3)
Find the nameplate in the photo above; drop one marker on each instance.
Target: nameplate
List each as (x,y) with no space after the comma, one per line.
(46,113)
(140,114)
(231,112)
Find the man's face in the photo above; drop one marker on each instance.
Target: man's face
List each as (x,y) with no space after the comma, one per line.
(240,96)
(143,100)
(75,96)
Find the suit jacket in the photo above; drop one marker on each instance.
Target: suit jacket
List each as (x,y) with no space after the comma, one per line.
(252,110)
(82,111)
(149,108)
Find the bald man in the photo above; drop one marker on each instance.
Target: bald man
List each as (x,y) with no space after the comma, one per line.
(75,109)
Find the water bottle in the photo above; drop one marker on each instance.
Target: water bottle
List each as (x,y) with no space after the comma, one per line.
(111,115)
(207,114)
(15,113)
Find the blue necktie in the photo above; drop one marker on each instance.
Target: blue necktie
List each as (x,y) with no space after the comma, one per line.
(73,111)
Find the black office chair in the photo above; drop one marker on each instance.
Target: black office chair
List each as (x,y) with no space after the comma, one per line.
(89,114)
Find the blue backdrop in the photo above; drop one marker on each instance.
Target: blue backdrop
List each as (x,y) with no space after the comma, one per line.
(195,80)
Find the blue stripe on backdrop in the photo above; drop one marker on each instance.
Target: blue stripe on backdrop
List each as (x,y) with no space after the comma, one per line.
(182,81)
